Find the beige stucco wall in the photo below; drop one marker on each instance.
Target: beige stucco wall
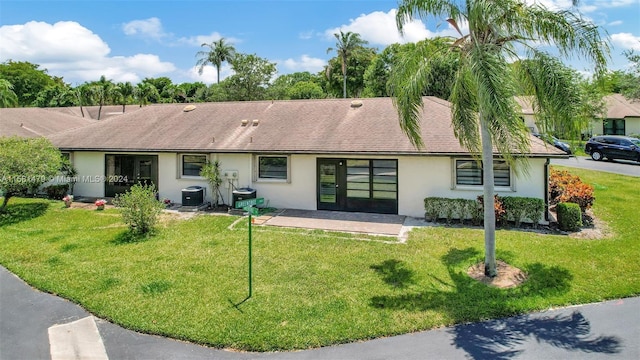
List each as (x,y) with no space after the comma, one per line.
(632,125)
(90,166)
(418,177)
(434,177)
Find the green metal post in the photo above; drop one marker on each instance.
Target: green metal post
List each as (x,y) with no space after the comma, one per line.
(250,255)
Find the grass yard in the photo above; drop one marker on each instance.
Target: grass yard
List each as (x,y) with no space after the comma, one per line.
(310,288)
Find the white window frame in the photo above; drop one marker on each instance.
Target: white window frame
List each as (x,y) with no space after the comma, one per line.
(256,169)
(454,177)
(181,165)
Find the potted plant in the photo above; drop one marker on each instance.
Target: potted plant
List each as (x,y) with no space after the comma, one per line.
(100,204)
(167,203)
(68,199)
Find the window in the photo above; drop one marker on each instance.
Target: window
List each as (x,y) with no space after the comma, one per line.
(273,167)
(192,164)
(372,179)
(469,172)
(614,127)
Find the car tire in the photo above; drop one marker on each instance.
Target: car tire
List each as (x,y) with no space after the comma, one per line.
(596,155)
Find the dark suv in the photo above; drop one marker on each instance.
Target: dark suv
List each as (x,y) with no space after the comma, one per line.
(613,147)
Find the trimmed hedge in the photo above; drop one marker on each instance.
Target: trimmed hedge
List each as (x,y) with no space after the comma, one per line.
(569,216)
(516,209)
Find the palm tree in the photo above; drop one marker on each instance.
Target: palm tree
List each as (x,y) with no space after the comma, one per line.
(145,91)
(347,43)
(125,93)
(483,108)
(219,52)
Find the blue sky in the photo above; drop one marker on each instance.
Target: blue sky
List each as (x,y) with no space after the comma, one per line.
(130,40)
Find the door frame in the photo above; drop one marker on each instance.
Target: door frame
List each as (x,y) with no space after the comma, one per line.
(343,202)
(340,184)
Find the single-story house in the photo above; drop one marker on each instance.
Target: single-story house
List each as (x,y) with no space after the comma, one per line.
(622,117)
(333,154)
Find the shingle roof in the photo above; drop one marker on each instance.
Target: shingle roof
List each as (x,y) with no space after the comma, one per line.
(619,107)
(294,126)
(34,122)
(91,112)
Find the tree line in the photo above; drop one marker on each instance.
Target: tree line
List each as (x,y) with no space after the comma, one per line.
(356,71)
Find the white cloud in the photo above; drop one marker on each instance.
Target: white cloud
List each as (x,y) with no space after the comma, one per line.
(71,51)
(615,23)
(626,41)
(209,73)
(305,63)
(151,28)
(41,42)
(207,39)
(305,35)
(380,28)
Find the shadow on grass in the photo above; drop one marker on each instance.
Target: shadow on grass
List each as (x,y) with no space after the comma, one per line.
(16,213)
(467,299)
(130,237)
(395,273)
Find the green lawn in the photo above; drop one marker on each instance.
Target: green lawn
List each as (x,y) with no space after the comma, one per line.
(310,288)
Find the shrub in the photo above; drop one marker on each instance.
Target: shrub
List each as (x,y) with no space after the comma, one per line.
(432,207)
(569,216)
(477,212)
(139,208)
(564,187)
(579,193)
(498,207)
(56,192)
(535,210)
(449,209)
(515,208)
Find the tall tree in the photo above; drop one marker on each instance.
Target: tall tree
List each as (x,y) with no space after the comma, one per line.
(252,76)
(27,80)
(103,92)
(8,98)
(219,52)
(58,95)
(346,44)
(631,79)
(144,92)
(125,93)
(484,112)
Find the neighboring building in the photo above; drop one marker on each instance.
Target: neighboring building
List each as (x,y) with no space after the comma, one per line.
(35,122)
(337,154)
(528,115)
(622,117)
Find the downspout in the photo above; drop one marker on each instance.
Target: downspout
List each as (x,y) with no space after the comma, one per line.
(546,189)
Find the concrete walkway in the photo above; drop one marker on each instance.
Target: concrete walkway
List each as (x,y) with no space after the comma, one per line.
(354,222)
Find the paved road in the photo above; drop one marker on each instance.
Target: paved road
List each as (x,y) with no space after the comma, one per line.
(597,331)
(623,167)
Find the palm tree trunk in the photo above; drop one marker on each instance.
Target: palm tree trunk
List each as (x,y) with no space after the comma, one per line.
(344,78)
(488,200)
(218,71)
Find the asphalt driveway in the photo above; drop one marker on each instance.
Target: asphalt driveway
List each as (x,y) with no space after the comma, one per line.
(622,167)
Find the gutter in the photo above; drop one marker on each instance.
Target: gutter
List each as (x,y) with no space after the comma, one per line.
(301,152)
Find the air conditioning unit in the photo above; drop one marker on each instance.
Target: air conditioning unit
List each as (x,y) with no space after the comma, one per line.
(193,196)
